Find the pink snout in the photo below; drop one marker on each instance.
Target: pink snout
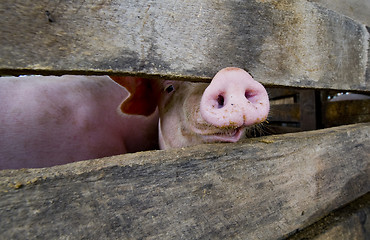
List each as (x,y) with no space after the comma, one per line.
(234,99)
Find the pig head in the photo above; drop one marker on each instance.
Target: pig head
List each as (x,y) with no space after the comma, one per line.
(192,113)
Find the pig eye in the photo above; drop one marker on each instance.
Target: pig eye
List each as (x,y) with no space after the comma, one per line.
(170,88)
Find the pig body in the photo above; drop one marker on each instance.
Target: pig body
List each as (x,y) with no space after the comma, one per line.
(47,121)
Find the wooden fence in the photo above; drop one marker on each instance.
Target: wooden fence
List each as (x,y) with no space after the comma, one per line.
(303,185)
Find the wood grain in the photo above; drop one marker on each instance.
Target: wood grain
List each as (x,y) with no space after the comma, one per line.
(346,112)
(287,43)
(262,188)
(348,222)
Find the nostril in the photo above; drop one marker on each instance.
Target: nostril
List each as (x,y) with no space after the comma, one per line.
(249,95)
(220,101)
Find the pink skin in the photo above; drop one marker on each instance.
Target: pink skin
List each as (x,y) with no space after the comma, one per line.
(195,113)
(47,121)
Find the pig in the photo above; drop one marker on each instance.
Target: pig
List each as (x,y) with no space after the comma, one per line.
(48,121)
(193,113)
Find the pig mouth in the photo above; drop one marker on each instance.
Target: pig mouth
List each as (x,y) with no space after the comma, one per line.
(209,132)
(229,135)
(214,134)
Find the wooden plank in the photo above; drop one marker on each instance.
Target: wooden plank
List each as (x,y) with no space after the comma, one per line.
(346,112)
(285,113)
(278,93)
(289,43)
(262,188)
(305,112)
(278,129)
(308,106)
(348,222)
(355,9)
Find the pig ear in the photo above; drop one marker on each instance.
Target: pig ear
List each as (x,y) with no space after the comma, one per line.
(144,95)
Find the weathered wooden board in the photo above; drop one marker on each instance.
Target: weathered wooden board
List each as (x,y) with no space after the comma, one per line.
(285,113)
(304,112)
(356,9)
(281,93)
(308,105)
(346,112)
(287,42)
(278,129)
(263,188)
(349,222)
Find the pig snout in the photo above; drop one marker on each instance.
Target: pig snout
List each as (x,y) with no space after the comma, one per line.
(234,99)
